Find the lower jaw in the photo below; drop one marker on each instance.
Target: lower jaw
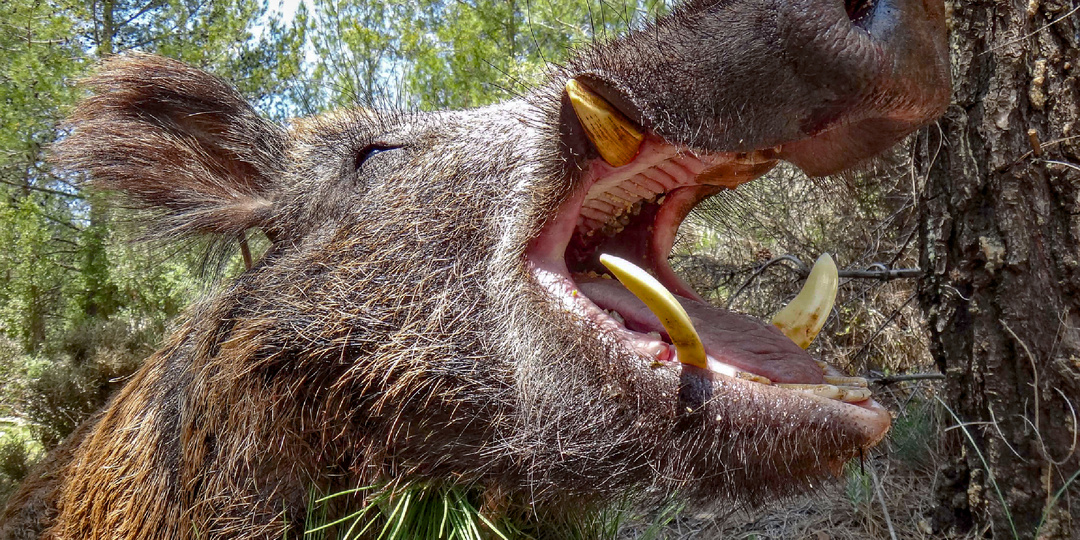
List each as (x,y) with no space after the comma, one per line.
(865,422)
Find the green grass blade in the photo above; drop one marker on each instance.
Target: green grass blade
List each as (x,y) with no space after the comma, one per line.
(986,465)
(1053,501)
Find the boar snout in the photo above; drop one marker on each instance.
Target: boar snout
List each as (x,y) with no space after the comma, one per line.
(832,83)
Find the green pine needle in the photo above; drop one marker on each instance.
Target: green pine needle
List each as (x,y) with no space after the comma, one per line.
(421,511)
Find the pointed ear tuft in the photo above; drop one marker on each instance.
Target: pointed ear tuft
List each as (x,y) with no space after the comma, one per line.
(178,140)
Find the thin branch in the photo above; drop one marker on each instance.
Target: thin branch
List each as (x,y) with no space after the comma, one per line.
(141,12)
(883,274)
(875,271)
(762,268)
(245,250)
(892,379)
(1031,153)
(32,187)
(1032,33)
(1062,163)
(1035,390)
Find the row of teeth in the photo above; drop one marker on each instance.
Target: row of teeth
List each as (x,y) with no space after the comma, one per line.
(611,221)
(846,389)
(801,321)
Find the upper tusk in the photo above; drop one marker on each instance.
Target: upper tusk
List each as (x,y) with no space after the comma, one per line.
(615,136)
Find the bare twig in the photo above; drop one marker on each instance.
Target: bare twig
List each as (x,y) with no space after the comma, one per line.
(32,187)
(1035,388)
(892,379)
(757,272)
(874,271)
(1032,33)
(883,273)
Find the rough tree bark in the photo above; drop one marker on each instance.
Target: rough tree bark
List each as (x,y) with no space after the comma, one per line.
(1001,247)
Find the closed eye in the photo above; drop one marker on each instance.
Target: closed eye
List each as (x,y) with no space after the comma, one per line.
(371,150)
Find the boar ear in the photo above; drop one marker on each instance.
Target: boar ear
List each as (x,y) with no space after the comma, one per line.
(179,141)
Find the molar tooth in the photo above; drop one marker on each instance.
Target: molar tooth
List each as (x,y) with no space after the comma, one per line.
(802,319)
(664,305)
(821,390)
(753,377)
(846,381)
(615,136)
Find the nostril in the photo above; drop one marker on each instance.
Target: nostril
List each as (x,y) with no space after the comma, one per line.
(859,10)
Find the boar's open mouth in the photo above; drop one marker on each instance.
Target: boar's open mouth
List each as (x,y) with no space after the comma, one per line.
(629,203)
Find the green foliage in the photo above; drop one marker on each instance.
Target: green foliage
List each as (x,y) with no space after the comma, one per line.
(421,512)
(80,305)
(434,54)
(912,432)
(474,53)
(15,459)
(415,511)
(859,485)
(986,467)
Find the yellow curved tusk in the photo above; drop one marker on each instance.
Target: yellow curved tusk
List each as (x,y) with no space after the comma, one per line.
(664,305)
(803,318)
(615,136)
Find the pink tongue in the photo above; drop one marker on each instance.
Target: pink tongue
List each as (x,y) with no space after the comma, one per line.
(732,338)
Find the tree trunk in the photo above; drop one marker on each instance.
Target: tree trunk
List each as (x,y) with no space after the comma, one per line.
(99,293)
(1000,241)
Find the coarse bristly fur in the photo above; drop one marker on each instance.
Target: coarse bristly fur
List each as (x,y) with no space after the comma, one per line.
(392,333)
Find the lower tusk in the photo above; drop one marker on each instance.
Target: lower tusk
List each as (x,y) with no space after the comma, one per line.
(663,304)
(803,318)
